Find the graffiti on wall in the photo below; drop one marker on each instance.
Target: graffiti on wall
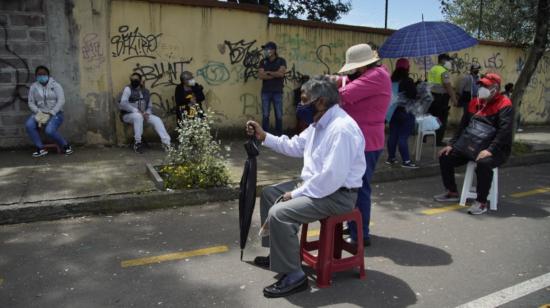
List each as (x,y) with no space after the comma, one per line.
(22,73)
(133,44)
(244,53)
(214,73)
(91,49)
(162,73)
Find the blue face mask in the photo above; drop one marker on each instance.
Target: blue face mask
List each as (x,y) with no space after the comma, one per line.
(43,79)
(306,111)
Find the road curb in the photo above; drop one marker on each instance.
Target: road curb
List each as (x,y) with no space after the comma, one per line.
(56,209)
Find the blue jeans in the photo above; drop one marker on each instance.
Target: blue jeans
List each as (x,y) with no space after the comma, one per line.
(363,197)
(277,99)
(401,127)
(50,129)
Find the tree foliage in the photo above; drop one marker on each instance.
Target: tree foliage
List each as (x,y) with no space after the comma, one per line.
(318,10)
(503,20)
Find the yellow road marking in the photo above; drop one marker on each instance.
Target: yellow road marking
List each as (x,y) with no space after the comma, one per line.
(174,256)
(531,192)
(440,210)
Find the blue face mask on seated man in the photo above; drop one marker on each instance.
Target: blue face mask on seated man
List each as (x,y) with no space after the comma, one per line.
(306,111)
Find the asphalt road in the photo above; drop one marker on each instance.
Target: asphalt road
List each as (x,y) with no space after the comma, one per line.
(419,257)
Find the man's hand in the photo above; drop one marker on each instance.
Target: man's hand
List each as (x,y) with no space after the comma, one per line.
(145,116)
(483,154)
(446,150)
(287,196)
(253,128)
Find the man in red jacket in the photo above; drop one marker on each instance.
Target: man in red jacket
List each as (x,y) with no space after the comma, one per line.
(490,107)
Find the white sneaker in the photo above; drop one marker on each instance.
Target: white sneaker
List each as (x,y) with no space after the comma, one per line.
(477,208)
(39,153)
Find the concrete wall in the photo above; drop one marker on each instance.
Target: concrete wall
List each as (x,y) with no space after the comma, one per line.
(93,46)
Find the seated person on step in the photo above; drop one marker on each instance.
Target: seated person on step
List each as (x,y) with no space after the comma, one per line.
(136,107)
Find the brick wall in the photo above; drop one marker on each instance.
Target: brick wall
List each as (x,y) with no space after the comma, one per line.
(23,46)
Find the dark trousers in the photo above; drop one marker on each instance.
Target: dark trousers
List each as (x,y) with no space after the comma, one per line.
(401,127)
(440,109)
(484,172)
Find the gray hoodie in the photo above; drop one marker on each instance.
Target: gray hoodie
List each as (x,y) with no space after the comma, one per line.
(48,99)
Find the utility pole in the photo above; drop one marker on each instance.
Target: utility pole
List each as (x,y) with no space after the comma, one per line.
(386,19)
(480,17)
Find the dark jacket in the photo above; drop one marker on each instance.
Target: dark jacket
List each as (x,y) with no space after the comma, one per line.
(499,113)
(181,95)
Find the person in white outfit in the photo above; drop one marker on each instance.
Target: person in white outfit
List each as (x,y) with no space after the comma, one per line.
(136,107)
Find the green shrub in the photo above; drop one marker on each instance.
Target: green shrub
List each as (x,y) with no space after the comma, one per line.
(197,160)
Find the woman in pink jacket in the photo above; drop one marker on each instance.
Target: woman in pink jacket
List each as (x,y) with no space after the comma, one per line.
(365,94)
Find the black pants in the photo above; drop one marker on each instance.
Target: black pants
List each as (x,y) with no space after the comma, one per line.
(440,109)
(484,172)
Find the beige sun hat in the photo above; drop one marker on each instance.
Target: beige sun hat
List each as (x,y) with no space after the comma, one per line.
(359,56)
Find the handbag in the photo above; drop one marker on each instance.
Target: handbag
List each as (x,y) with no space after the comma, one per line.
(476,137)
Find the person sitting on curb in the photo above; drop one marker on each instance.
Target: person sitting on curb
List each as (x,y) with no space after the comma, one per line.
(489,107)
(135,105)
(334,163)
(46,100)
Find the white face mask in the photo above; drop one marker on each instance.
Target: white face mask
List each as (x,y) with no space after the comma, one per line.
(448,65)
(483,93)
(191,82)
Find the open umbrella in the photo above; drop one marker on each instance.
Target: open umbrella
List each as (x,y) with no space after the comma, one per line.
(247,195)
(424,39)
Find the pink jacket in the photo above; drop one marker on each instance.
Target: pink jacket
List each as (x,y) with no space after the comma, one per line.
(366,100)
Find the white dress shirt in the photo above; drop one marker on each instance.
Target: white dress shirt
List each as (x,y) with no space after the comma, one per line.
(333,151)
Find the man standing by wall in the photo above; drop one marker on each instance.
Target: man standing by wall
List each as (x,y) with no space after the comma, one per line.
(272,71)
(442,90)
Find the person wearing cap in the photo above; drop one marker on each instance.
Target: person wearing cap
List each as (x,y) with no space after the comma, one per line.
(136,107)
(402,121)
(189,94)
(442,91)
(272,72)
(491,107)
(365,94)
(332,150)
(467,88)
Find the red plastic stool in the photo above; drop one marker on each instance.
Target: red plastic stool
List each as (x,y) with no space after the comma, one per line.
(53,146)
(330,246)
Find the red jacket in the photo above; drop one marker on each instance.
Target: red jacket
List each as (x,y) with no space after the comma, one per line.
(499,113)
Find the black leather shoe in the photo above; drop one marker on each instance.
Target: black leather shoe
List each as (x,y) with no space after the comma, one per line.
(366,241)
(262,261)
(281,289)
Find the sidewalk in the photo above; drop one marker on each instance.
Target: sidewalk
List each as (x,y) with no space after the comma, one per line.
(112,179)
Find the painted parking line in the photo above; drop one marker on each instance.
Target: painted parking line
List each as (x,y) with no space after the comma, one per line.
(454,207)
(537,191)
(439,210)
(174,256)
(512,293)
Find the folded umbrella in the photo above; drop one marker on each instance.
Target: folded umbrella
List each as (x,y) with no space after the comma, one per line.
(247,195)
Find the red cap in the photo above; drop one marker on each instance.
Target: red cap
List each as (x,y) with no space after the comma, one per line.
(490,79)
(402,64)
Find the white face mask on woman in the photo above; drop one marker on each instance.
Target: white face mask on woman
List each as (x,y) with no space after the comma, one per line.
(484,93)
(448,65)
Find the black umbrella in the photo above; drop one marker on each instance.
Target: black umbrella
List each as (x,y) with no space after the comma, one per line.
(247,195)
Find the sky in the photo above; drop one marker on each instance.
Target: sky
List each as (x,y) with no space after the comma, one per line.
(370,13)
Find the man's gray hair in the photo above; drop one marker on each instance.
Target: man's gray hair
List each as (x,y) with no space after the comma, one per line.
(322,86)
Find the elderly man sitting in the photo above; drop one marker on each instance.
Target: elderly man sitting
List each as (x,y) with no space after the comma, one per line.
(334,163)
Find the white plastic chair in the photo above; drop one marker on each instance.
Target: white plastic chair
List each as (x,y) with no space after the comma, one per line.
(468,189)
(421,133)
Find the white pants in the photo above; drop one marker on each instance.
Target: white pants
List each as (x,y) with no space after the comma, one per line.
(137,120)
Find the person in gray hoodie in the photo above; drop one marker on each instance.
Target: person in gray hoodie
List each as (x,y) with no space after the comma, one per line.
(46,100)
(136,108)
